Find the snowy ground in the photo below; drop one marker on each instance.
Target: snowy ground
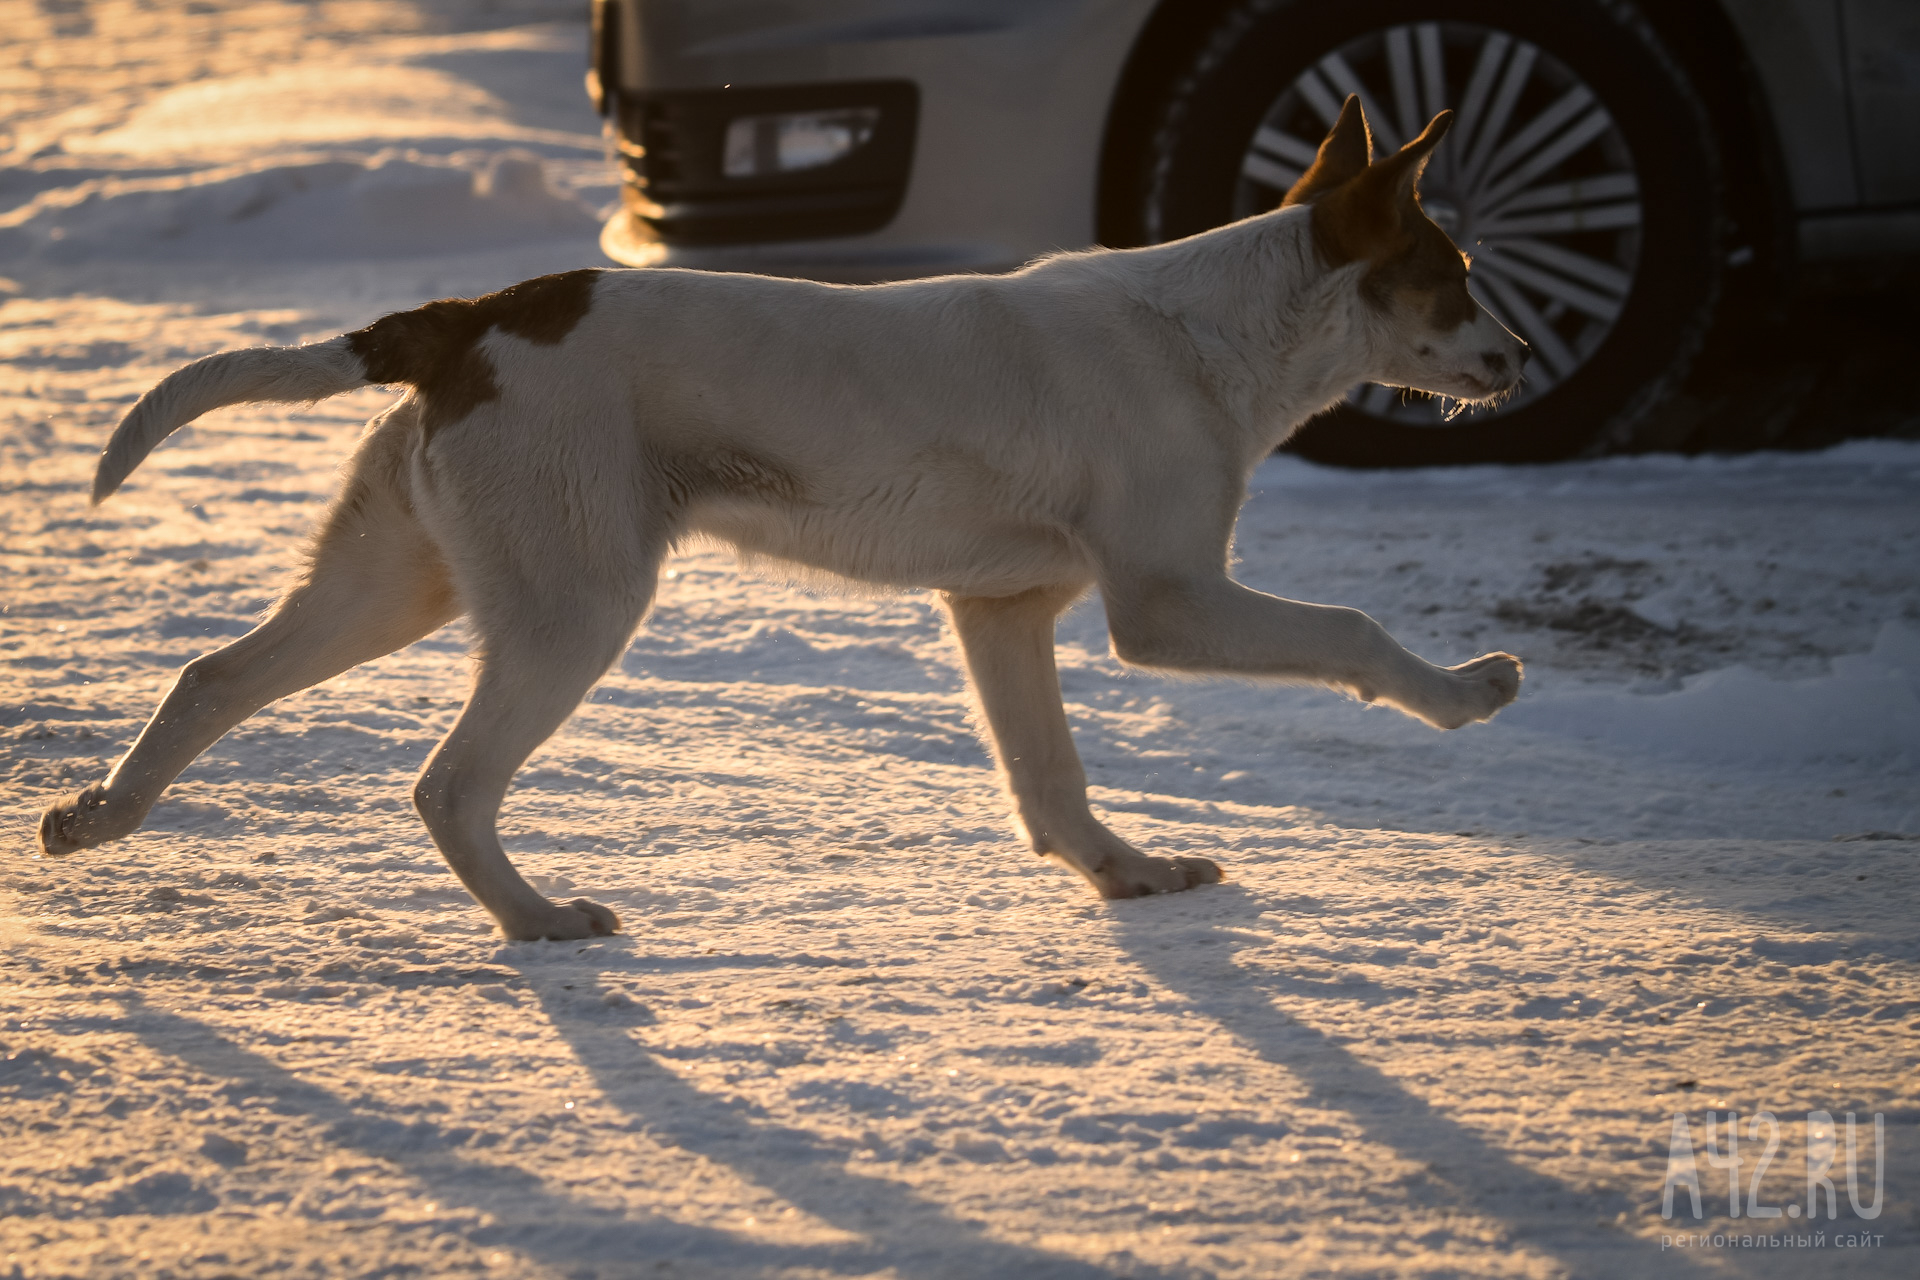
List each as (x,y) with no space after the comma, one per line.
(1438,1021)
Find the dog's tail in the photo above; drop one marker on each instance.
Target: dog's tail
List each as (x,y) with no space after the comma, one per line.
(256,375)
(416,348)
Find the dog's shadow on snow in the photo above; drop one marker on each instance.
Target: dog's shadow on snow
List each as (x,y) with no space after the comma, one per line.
(526,1213)
(900,1233)
(1462,1170)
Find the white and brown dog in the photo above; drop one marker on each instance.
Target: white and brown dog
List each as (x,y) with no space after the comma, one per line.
(1010,441)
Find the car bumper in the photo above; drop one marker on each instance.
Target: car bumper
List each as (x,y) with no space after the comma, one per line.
(1013,100)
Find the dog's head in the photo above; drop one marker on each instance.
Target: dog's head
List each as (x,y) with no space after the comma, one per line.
(1427,332)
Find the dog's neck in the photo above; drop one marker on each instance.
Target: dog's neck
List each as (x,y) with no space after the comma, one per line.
(1283,336)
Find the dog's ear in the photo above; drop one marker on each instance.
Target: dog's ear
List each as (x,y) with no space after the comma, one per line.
(1344,155)
(1374,214)
(1401,171)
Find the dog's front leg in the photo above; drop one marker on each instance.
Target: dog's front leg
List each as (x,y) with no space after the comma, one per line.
(1206,622)
(1008,644)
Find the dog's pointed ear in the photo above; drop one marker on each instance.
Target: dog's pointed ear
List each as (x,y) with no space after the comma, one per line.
(1401,171)
(1344,155)
(1373,215)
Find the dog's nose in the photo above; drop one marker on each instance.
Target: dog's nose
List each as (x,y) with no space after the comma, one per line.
(1504,369)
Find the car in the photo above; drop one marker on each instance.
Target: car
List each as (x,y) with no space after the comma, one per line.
(1632,180)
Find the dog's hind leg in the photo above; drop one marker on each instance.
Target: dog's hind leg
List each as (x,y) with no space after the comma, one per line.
(545,637)
(375,583)
(1008,644)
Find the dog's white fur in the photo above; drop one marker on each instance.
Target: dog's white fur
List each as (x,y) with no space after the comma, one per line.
(1011,442)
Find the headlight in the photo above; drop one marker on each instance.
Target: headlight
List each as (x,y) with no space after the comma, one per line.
(760,145)
(765,163)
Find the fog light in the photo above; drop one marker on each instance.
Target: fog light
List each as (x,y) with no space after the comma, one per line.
(761,145)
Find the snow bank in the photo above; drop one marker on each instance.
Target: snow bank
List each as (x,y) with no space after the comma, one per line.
(1854,461)
(390,204)
(309,105)
(1866,708)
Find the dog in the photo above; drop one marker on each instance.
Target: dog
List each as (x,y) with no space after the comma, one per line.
(1011,442)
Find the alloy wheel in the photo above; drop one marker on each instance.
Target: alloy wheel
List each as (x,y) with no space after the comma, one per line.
(1534,182)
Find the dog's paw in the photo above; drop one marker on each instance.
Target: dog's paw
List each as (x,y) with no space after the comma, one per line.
(580,918)
(1479,688)
(76,823)
(1141,876)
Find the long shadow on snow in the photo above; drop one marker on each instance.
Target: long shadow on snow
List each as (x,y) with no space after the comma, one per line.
(562,1231)
(909,1235)
(1804,896)
(1463,1170)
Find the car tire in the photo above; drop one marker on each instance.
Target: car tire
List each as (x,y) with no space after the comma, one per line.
(1266,63)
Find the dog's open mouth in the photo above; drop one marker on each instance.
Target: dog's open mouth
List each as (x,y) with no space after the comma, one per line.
(1484,396)
(1488,396)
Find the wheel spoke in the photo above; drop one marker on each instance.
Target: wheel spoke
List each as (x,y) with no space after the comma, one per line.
(1589,127)
(1484,70)
(1269,173)
(1606,217)
(1608,186)
(1284,146)
(1434,69)
(1336,69)
(1602,275)
(1519,70)
(1324,104)
(1547,345)
(1434,81)
(1579,297)
(1405,88)
(1542,127)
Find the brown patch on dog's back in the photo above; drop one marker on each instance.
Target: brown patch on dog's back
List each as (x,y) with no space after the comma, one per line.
(435,348)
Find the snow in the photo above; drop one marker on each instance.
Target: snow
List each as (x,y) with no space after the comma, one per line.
(392,203)
(1865,709)
(1437,1022)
